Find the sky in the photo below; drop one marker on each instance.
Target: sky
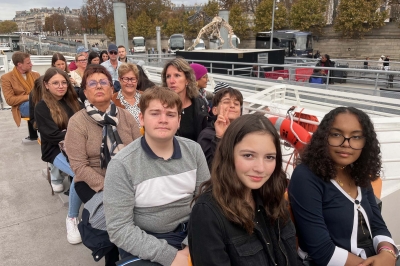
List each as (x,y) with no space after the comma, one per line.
(8,8)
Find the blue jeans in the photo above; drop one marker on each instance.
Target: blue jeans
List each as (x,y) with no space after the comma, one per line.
(24,109)
(74,201)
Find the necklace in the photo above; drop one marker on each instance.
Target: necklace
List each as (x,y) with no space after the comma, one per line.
(340,182)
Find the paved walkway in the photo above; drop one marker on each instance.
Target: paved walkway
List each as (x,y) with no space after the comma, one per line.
(32,223)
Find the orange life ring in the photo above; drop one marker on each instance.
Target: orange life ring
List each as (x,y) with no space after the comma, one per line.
(282,125)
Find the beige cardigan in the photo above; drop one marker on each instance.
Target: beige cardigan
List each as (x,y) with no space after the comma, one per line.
(83,140)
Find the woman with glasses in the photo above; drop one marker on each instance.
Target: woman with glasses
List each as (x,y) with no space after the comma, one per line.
(337,218)
(59,102)
(128,97)
(95,134)
(77,74)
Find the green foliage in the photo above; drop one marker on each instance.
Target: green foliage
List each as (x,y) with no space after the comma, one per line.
(142,26)
(211,8)
(308,15)
(263,16)
(8,26)
(238,21)
(109,30)
(357,17)
(174,25)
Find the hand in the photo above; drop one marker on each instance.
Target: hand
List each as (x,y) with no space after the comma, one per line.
(222,122)
(72,81)
(181,258)
(382,259)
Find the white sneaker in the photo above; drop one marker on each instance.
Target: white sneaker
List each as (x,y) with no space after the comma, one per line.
(73,235)
(57,187)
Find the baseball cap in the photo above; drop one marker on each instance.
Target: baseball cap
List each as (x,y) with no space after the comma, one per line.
(112,47)
(81,49)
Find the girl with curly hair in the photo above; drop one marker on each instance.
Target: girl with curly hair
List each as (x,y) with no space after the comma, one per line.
(337,218)
(241,216)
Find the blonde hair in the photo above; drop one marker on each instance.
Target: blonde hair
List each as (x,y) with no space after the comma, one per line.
(182,66)
(126,68)
(78,55)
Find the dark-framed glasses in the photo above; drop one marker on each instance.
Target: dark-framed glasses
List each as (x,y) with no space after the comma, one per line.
(113,52)
(93,83)
(337,140)
(126,79)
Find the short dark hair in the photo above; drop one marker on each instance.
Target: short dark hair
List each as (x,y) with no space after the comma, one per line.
(94,68)
(19,57)
(316,155)
(121,46)
(232,93)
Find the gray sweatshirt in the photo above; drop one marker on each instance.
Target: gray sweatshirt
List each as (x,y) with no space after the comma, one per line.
(143,192)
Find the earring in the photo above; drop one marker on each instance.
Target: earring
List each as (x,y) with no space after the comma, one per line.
(142,130)
(197,84)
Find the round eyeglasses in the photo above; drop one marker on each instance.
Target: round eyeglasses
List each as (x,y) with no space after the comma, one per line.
(355,142)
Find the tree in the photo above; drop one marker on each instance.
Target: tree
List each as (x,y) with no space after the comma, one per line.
(308,15)
(263,16)
(93,8)
(109,30)
(238,21)
(8,26)
(357,17)
(142,26)
(174,25)
(211,8)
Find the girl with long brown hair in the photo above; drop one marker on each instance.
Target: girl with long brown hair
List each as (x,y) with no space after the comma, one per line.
(241,217)
(59,102)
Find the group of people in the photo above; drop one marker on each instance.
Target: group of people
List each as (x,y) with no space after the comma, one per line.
(172,175)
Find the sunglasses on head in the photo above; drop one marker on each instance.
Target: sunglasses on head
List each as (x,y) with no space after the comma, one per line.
(113,52)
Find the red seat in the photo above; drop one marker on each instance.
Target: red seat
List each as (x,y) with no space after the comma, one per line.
(276,74)
(303,74)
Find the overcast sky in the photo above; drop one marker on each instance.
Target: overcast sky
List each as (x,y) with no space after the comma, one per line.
(8,8)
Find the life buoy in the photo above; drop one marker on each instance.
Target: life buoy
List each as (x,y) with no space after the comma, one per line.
(282,125)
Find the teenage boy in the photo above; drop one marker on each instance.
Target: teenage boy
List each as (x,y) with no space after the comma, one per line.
(150,184)
(226,107)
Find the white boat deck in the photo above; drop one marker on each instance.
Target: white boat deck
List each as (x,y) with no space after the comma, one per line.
(33,221)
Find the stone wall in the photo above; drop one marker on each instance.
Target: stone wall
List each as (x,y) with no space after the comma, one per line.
(383,41)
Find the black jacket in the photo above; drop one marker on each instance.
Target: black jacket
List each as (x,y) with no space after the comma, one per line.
(208,142)
(200,117)
(215,241)
(50,134)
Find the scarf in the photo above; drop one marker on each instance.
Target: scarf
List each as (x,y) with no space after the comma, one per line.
(27,83)
(203,94)
(111,142)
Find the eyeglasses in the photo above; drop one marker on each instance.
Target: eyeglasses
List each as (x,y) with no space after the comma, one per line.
(355,142)
(126,80)
(113,52)
(58,84)
(93,83)
(82,60)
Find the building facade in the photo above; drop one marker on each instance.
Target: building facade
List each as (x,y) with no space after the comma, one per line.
(33,20)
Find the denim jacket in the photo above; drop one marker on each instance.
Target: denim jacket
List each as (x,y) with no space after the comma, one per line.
(214,240)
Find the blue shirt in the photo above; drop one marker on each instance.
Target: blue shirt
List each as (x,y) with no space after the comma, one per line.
(113,72)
